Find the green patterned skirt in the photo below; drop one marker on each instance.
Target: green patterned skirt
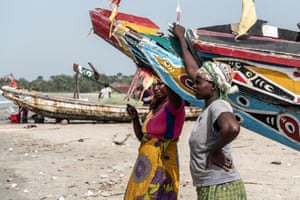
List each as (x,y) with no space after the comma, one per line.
(234,190)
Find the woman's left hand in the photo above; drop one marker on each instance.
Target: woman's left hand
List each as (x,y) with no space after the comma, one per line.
(132,112)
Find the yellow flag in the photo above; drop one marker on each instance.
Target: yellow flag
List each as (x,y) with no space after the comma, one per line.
(248,17)
(112,17)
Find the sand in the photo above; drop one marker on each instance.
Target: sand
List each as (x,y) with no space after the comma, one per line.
(93,161)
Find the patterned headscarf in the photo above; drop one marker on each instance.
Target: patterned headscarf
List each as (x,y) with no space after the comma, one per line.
(220,74)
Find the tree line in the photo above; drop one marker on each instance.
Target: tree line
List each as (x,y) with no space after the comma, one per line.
(66,83)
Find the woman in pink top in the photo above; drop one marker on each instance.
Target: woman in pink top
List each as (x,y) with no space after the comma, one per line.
(156,172)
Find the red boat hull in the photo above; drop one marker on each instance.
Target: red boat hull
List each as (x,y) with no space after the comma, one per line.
(102,24)
(259,49)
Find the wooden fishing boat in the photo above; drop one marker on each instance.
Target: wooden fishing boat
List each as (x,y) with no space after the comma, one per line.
(264,104)
(268,61)
(75,109)
(263,43)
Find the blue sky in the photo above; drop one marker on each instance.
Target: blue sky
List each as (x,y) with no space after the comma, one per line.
(45,37)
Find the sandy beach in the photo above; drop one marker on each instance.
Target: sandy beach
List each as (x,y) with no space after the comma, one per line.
(93,161)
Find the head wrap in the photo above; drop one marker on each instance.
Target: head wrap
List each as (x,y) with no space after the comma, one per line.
(220,74)
(155,79)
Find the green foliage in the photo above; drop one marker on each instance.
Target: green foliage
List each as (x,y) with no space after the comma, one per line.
(66,83)
(120,99)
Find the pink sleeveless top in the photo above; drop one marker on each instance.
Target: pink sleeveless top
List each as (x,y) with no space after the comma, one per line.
(166,123)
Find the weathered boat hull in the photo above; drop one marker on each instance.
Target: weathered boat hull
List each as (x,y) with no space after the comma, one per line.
(67,108)
(271,115)
(72,109)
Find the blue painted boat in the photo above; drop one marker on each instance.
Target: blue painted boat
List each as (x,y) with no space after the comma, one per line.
(262,105)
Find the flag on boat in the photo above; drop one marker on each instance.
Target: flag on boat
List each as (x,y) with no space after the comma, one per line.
(114,4)
(248,17)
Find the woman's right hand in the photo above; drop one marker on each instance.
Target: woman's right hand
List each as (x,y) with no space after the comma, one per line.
(132,112)
(219,159)
(177,30)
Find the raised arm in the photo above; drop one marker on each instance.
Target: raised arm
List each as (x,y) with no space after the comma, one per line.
(190,63)
(174,99)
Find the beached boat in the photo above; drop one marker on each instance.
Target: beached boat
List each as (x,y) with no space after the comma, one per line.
(267,76)
(268,63)
(75,109)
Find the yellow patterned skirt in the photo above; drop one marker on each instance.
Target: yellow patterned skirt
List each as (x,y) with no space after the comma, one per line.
(156,172)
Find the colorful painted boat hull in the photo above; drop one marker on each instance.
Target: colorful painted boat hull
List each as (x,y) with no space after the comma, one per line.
(276,118)
(275,61)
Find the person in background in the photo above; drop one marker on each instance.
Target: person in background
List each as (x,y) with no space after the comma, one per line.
(211,164)
(105,93)
(156,172)
(24,115)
